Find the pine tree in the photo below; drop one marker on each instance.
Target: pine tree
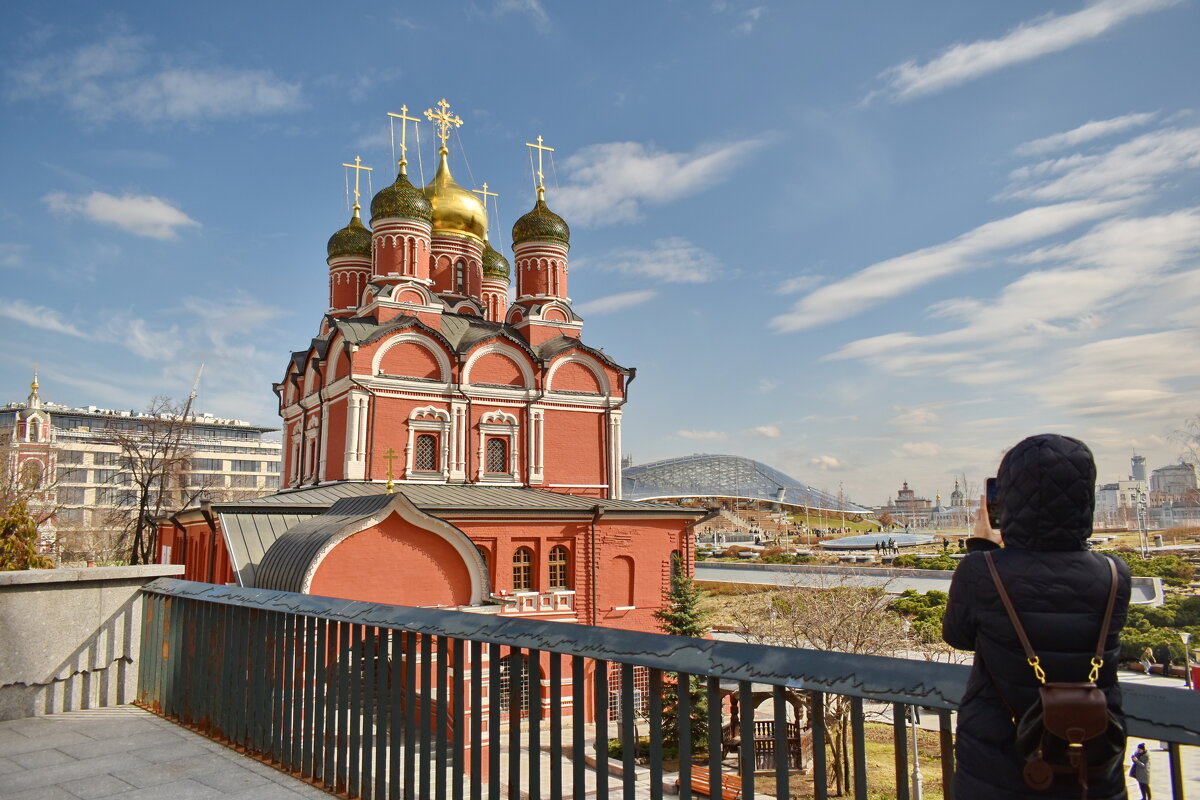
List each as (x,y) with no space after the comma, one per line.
(18,540)
(682,615)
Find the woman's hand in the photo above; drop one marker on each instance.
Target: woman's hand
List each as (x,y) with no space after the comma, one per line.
(983,528)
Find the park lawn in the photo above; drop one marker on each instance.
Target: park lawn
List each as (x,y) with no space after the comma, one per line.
(881,768)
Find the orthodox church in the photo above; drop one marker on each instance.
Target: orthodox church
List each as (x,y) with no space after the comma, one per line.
(446,441)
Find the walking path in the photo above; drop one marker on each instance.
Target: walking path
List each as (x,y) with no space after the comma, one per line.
(129,753)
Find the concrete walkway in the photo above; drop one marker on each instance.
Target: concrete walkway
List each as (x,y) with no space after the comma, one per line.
(129,753)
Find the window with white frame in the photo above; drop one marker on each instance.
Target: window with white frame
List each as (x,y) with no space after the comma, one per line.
(425,457)
(428,435)
(497,454)
(498,447)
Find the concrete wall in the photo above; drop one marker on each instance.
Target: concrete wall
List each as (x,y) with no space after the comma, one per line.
(69,638)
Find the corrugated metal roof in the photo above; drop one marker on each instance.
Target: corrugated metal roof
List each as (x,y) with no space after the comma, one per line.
(248,535)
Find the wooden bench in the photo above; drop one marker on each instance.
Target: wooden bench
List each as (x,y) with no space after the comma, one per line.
(731,785)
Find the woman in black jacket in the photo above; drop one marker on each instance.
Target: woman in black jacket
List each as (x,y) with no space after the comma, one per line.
(1046,492)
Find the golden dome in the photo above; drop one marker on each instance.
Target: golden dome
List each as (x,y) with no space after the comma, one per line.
(455,210)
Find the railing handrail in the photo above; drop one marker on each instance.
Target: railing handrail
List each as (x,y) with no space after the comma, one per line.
(1162,713)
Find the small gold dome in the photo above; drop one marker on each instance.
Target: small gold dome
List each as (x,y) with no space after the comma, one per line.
(455,210)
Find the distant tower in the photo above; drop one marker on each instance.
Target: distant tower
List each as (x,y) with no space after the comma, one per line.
(1139,468)
(349,258)
(956,497)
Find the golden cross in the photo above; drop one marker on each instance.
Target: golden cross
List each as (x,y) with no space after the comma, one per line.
(390,456)
(444,120)
(358,168)
(541,178)
(404,120)
(486,194)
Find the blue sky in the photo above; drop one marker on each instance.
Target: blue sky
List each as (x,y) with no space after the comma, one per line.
(862,242)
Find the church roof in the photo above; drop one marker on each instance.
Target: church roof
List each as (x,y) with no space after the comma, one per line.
(251,526)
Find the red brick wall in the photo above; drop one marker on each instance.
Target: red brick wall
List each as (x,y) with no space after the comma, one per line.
(335,441)
(411,360)
(496,368)
(575,447)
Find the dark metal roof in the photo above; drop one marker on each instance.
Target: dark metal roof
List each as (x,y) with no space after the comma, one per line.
(247,537)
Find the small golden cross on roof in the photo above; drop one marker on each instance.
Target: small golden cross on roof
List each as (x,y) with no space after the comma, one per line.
(541,187)
(443,120)
(486,194)
(390,456)
(404,120)
(358,168)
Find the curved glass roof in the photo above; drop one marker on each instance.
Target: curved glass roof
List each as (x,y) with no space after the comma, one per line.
(724,476)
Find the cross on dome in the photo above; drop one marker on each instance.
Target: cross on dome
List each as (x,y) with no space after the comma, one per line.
(443,120)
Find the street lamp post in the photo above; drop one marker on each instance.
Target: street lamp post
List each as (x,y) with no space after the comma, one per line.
(915,716)
(1144,536)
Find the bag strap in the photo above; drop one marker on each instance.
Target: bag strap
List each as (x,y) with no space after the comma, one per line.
(1031,657)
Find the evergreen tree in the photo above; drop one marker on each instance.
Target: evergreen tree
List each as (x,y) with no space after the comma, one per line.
(682,615)
(18,540)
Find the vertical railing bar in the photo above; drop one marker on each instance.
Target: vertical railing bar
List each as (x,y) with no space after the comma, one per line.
(410,715)
(534,661)
(427,712)
(518,681)
(745,701)
(601,744)
(683,724)
(299,678)
(655,688)
(476,720)
(143,661)
(308,718)
(366,676)
(326,707)
(383,707)
(396,729)
(354,770)
(342,738)
(858,735)
(458,728)
(946,745)
(578,730)
(556,727)
(820,774)
(783,744)
(280,715)
(714,733)
(1176,764)
(494,722)
(900,746)
(628,734)
(441,720)
(255,644)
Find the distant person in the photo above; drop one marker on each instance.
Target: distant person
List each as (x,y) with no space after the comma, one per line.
(1059,590)
(945,545)
(1140,770)
(1147,660)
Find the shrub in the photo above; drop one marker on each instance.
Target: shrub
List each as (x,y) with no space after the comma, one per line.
(1172,569)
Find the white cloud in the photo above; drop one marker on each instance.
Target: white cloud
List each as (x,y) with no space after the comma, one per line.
(917,449)
(766,385)
(144,341)
(12,253)
(142,215)
(914,417)
(533,8)
(608,183)
(1028,41)
(895,276)
(825,463)
(670,260)
(1095,129)
(46,319)
(1127,170)
(766,432)
(701,435)
(800,283)
(116,77)
(616,302)
(750,18)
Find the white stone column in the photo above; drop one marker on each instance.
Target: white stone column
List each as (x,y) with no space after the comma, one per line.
(614,453)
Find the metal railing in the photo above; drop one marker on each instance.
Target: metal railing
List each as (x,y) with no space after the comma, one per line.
(378,701)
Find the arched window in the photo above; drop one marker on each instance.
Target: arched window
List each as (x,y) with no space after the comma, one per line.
(497,455)
(522,569)
(31,475)
(460,277)
(558,567)
(34,429)
(425,458)
(676,563)
(516,673)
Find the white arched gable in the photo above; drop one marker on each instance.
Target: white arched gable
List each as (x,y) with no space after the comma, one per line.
(409,337)
(431,413)
(498,417)
(507,350)
(585,361)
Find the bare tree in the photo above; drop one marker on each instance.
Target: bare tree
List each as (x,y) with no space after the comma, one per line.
(845,619)
(155,455)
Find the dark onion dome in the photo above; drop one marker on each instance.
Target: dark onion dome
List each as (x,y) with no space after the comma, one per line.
(495,266)
(401,199)
(541,223)
(352,240)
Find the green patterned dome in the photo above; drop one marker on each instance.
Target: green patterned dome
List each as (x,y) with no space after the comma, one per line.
(401,199)
(352,240)
(541,223)
(495,266)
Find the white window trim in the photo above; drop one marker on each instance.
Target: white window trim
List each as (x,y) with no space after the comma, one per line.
(428,419)
(499,424)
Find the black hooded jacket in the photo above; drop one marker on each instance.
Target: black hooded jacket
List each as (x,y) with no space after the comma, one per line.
(1046,488)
